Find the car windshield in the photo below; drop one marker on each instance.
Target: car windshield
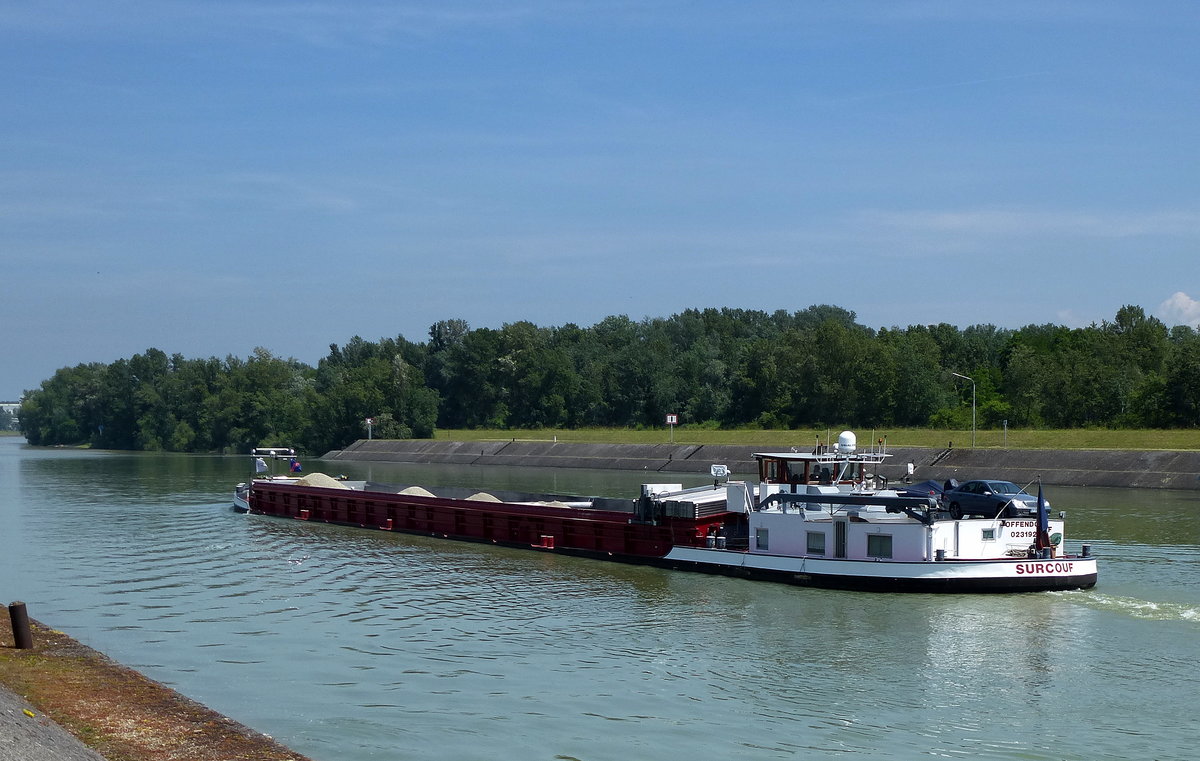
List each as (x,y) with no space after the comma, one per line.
(1005,487)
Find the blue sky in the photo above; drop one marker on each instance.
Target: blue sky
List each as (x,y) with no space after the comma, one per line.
(208,177)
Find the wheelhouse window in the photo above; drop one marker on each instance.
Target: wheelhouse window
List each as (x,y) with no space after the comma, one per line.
(989,534)
(816,543)
(784,471)
(761,539)
(769,470)
(879,545)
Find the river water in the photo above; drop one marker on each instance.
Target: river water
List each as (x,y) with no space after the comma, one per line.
(349,644)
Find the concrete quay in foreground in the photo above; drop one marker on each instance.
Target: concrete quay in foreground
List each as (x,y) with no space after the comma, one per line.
(60,690)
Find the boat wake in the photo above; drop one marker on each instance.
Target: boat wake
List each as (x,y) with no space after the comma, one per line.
(1146,610)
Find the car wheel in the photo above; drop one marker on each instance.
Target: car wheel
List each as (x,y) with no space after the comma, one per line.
(956,511)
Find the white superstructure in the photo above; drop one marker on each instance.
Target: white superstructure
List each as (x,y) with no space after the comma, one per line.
(826,517)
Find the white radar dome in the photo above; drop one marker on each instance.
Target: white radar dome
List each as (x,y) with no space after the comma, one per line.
(847,442)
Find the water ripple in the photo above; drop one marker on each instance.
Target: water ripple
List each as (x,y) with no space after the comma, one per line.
(355,644)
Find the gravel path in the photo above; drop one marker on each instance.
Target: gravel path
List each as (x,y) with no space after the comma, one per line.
(35,738)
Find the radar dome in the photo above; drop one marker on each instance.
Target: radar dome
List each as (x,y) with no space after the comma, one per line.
(847,442)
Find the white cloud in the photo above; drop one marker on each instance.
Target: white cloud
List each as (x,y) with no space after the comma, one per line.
(318,22)
(1180,309)
(1072,319)
(1024,222)
(1018,11)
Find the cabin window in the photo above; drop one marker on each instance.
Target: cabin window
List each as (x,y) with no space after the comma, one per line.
(816,543)
(761,539)
(791,472)
(989,534)
(770,471)
(879,545)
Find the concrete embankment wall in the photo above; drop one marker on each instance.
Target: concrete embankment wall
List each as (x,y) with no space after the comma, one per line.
(1150,469)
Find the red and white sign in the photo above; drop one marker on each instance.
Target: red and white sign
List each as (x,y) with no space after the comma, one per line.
(370,421)
(672,419)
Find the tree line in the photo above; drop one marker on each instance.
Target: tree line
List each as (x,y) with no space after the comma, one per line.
(713,367)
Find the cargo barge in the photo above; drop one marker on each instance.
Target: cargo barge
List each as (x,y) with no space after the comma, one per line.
(823,518)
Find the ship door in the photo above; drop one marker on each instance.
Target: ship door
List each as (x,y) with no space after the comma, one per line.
(839,538)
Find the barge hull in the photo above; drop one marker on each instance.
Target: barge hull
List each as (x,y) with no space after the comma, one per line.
(597,533)
(890,576)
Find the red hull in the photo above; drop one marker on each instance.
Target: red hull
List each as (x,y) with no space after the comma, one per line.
(539,526)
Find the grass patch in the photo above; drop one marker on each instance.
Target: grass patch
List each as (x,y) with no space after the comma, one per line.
(1088,438)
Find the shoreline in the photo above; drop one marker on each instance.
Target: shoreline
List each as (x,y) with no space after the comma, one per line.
(114,711)
(1145,469)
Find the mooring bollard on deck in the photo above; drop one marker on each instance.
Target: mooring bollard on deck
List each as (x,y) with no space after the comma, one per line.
(22,636)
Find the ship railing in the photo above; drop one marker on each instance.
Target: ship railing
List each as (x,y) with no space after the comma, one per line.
(276,452)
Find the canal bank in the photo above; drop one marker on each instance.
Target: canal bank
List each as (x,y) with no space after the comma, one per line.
(1152,469)
(63,701)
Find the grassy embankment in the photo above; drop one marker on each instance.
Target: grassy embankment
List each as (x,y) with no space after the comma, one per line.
(896,437)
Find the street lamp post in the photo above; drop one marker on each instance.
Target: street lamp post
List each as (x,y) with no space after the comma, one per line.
(957,375)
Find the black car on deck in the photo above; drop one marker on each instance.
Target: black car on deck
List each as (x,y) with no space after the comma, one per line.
(990,499)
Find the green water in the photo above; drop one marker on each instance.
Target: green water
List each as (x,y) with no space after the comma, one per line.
(351,644)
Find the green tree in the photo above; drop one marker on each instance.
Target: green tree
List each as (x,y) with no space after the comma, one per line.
(730,367)
(919,391)
(1181,378)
